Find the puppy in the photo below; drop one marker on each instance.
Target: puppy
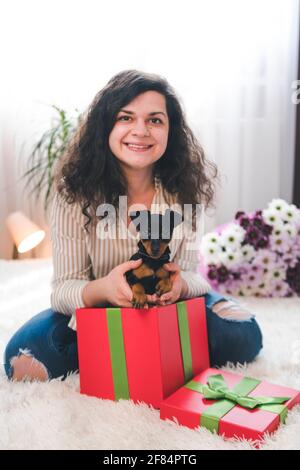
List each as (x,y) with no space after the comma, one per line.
(150,277)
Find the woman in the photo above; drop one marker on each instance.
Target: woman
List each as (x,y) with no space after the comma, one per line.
(134,141)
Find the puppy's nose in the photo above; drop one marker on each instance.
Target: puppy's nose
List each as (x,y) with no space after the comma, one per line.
(155,246)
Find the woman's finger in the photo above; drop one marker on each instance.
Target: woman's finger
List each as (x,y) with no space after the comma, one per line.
(126,289)
(166,296)
(172,267)
(152,298)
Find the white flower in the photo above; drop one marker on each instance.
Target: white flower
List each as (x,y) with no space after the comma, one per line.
(249,290)
(232,236)
(279,288)
(278,205)
(253,279)
(272,217)
(248,252)
(278,231)
(287,212)
(291,214)
(237,228)
(276,274)
(262,290)
(280,243)
(211,238)
(230,258)
(211,248)
(290,229)
(264,258)
(211,253)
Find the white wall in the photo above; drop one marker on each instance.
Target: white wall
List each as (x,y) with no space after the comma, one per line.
(231,62)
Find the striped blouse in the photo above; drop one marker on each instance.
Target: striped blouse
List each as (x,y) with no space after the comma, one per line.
(79,256)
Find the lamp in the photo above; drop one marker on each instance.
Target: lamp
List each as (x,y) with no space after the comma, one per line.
(25,234)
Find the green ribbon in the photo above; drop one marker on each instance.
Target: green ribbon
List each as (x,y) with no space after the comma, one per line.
(117,350)
(117,353)
(218,390)
(184,333)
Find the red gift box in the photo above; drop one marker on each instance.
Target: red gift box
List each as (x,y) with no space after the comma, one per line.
(141,354)
(231,414)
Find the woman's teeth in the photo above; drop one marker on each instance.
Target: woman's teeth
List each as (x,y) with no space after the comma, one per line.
(138,148)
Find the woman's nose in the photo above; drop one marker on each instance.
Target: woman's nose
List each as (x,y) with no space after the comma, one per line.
(140,128)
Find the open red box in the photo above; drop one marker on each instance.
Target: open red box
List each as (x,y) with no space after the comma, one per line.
(141,354)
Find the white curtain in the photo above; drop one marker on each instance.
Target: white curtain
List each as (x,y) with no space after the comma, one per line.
(249,128)
(232,64)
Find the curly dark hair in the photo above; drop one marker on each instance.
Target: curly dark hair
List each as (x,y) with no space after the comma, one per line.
(90,174)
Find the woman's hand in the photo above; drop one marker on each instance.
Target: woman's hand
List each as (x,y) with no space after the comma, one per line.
(179,286)
(117,289)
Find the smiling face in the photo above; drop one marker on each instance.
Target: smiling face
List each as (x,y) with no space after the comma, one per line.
(143,122)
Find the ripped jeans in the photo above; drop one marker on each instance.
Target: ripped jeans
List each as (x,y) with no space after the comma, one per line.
(47,338)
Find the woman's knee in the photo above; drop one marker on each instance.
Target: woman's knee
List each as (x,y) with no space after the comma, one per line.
(20,363)
(233,341)
(26,367)
(252,341)
(34,350)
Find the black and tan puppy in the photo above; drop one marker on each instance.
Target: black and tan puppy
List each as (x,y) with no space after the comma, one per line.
(150,277)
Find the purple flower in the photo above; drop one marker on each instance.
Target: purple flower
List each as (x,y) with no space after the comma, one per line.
(267,229)
(257,230)
(223,274)
(239,214)
(236,275)
(244,222)
(258,222)
(252,236)
(262,243)
(212,272)
(272,270)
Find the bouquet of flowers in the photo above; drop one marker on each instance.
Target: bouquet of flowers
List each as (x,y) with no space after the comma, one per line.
(258,254)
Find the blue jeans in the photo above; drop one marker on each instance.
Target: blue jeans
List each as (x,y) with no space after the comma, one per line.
(47,337)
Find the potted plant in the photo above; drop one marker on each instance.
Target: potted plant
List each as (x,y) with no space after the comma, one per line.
(46,152)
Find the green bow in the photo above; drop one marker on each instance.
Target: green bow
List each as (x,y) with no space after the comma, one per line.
(217,389)
(228,399)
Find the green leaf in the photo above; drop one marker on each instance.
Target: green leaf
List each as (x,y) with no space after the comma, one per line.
(47,151)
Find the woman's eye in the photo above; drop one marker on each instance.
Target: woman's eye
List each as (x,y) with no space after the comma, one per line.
(156,119)
(122,117)
(128,117)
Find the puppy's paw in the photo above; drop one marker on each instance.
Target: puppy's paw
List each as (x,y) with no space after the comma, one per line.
(163,286)
(139,301)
